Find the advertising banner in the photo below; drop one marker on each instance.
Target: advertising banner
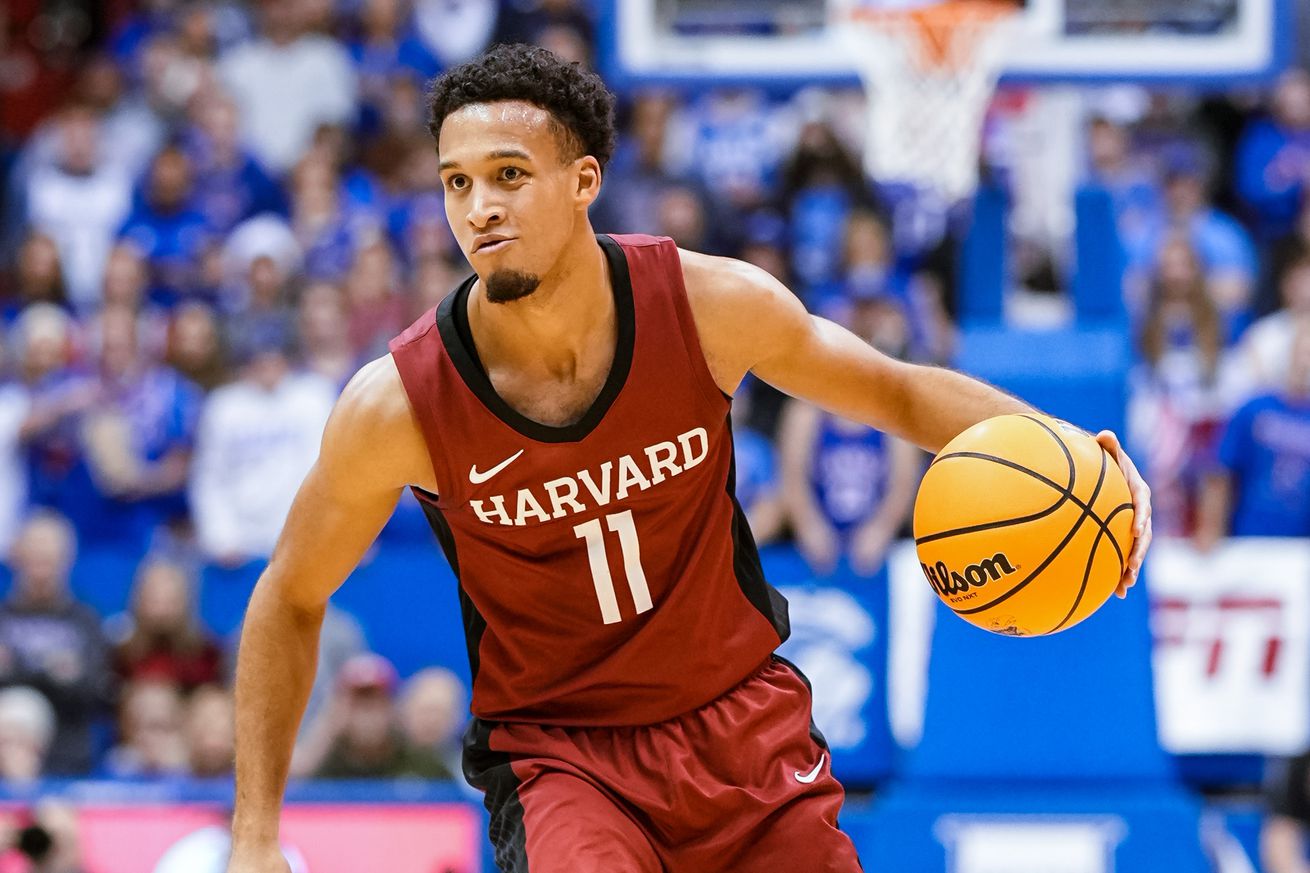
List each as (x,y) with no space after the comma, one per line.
(316,838)
(1232,645)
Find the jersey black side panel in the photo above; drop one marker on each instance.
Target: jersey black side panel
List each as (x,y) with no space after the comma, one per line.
(746,560)
(474,624)
(493,773)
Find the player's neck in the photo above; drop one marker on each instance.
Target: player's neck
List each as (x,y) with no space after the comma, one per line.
(560,323)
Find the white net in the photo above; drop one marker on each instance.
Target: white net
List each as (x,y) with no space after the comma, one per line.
(930,75)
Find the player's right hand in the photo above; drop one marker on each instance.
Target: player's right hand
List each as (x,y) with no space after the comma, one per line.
(262,860)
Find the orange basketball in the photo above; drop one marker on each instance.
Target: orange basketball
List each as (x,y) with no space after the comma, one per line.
(1023,525)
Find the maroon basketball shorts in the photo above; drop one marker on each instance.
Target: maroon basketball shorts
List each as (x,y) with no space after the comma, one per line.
(741,785)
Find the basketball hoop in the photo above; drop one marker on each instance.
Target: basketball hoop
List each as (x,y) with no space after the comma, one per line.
(930,72)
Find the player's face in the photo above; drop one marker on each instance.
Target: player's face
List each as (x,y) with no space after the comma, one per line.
(512,199)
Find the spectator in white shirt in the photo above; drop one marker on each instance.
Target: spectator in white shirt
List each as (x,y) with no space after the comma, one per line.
(258,438)
(1266,347)
(80,202)
(288,83)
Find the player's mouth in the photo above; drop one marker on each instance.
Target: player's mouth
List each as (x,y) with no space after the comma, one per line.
(489,244)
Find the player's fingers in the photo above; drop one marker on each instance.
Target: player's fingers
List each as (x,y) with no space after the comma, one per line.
(1141,499)
(1110,440)
(1141,529)
(1134,565)
(1140,491)
(1139,549)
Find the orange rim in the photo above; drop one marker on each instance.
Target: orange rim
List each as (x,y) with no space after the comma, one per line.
(937,25)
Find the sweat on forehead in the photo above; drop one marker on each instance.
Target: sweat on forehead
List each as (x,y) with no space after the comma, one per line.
(513,119)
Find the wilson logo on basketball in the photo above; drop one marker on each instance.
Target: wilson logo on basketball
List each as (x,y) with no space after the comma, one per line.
(950,583)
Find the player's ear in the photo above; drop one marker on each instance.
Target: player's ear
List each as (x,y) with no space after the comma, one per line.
(588,181)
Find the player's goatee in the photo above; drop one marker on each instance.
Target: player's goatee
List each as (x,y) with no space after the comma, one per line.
(504,286)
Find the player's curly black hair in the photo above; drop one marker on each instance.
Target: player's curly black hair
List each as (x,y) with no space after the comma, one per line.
(581,106)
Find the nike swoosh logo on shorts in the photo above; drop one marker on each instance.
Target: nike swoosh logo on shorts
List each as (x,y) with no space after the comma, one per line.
(813,774)
(478,478)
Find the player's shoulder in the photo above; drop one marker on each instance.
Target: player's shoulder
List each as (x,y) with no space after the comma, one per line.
(740,311)
(376,396)
(372,412)
(373,409)
(732,295)
(713,282)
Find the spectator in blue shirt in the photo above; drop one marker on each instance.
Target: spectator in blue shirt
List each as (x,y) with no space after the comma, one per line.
(642,167)
(325,230)
(1262,484)
(848,488)
(168,232)
(735,146)
(416,220)
(386,46)
(821,183)
(1273,158)
(58,395)
(230,185)
(1133,190)
(1226,252)
(138,438)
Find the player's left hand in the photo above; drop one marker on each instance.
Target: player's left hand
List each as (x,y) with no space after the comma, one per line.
(1141,494)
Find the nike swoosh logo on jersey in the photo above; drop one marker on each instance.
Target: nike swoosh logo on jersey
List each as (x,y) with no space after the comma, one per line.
(478,478)
(813,774)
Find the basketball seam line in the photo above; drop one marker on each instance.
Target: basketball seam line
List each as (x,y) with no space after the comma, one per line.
(1089,507)
(1031,576)
(1087,512)
(1087,571)
(1091,557)
(994,525)
(1073,498)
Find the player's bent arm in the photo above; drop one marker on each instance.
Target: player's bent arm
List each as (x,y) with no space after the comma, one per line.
(371,449)
(748,321)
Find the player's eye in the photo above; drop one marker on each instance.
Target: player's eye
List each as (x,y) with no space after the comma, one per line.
(511,174)
(457,183)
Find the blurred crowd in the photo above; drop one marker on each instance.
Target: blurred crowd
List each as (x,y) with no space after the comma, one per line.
(213,212)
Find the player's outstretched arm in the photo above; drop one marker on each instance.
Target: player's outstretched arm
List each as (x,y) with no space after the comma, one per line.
(748,321)
(371,449)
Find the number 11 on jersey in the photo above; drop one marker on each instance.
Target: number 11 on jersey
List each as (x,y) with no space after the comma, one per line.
(621,524)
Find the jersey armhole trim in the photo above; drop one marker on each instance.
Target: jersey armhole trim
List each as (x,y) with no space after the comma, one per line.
(690,335)
(414,395)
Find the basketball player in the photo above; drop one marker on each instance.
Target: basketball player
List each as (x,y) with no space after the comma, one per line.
(563,417)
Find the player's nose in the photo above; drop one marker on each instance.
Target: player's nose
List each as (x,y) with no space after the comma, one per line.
(485,210)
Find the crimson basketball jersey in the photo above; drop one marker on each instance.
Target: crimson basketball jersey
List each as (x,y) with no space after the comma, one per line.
(607,575)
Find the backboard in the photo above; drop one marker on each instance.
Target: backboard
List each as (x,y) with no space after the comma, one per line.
(790,43)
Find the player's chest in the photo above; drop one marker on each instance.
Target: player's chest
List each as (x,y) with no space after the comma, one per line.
(555,401)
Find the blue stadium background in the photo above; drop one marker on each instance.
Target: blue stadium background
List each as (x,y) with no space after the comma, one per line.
(214,212)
